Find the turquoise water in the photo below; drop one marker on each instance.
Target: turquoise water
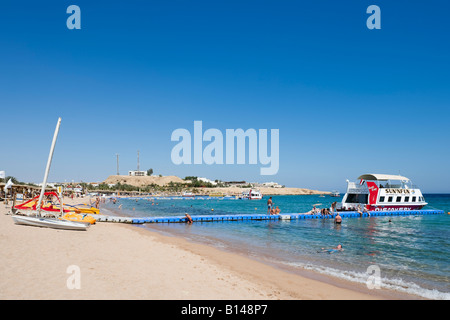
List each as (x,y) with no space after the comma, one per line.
(411,252)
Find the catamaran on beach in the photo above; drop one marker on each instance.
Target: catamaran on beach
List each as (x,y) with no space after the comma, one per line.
(35,217)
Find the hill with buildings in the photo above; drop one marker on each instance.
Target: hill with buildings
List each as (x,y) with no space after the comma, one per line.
(141,181)
(206,186)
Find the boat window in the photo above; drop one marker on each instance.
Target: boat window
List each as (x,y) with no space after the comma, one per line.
(390,199)
(406,199)
(413,199)
(357,198)
(382,199)
(399,199)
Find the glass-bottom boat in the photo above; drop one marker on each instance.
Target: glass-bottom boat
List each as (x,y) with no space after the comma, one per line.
(380,192)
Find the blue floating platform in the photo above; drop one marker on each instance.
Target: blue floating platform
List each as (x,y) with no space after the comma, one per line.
(259,217)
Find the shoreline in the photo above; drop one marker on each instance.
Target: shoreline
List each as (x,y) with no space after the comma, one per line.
(323,287)
(127,262)
(215,252)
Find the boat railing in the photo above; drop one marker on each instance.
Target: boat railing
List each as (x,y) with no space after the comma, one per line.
(356,187)
(398,186)
(390,185)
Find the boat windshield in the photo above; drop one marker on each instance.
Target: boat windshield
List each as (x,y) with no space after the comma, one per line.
(357,198)
(396,184)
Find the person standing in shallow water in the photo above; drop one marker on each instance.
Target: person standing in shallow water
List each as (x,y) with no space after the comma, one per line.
(338,219)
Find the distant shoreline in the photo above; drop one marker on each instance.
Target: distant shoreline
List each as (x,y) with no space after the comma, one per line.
(264,190)
(164,181)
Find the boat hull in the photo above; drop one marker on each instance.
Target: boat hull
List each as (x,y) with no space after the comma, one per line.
(50,223)
(78,218)
(394,208)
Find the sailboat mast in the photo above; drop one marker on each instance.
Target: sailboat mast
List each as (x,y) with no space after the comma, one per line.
(47,169)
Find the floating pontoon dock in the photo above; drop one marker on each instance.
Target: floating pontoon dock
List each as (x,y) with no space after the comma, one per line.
(256,217)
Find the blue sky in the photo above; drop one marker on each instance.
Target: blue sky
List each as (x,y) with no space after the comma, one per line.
(347,100)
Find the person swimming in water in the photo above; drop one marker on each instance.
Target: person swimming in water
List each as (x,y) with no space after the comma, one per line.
(333,250)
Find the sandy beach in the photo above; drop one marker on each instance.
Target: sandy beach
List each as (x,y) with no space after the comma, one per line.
(118,261)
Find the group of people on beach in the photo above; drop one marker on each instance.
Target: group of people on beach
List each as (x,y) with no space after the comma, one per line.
(99,200)
(270,208)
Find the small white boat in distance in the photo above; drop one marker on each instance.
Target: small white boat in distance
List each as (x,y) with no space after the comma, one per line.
(335,193)
(54,223)
(252,195)
(188,195)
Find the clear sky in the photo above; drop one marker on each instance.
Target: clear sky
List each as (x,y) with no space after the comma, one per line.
(346,100)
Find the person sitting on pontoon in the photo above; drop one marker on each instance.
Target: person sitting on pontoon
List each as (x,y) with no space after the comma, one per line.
(188,218)
(314,210)
(333,207)
(363,211)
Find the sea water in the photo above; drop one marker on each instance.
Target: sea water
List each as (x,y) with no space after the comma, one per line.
(412,253)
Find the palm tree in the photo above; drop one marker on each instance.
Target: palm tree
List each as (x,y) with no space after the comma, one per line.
(13,180)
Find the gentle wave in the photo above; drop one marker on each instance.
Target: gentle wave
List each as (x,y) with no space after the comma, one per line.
(385,283)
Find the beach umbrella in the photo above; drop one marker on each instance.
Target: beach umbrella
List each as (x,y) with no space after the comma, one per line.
(8,185)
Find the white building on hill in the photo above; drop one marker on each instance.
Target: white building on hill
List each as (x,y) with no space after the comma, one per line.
(135,173)
(207,180)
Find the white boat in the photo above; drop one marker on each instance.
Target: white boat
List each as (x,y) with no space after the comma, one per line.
(335,193)
(381,192)
(38,220)
(188,195)
(252,195)
(54,223)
